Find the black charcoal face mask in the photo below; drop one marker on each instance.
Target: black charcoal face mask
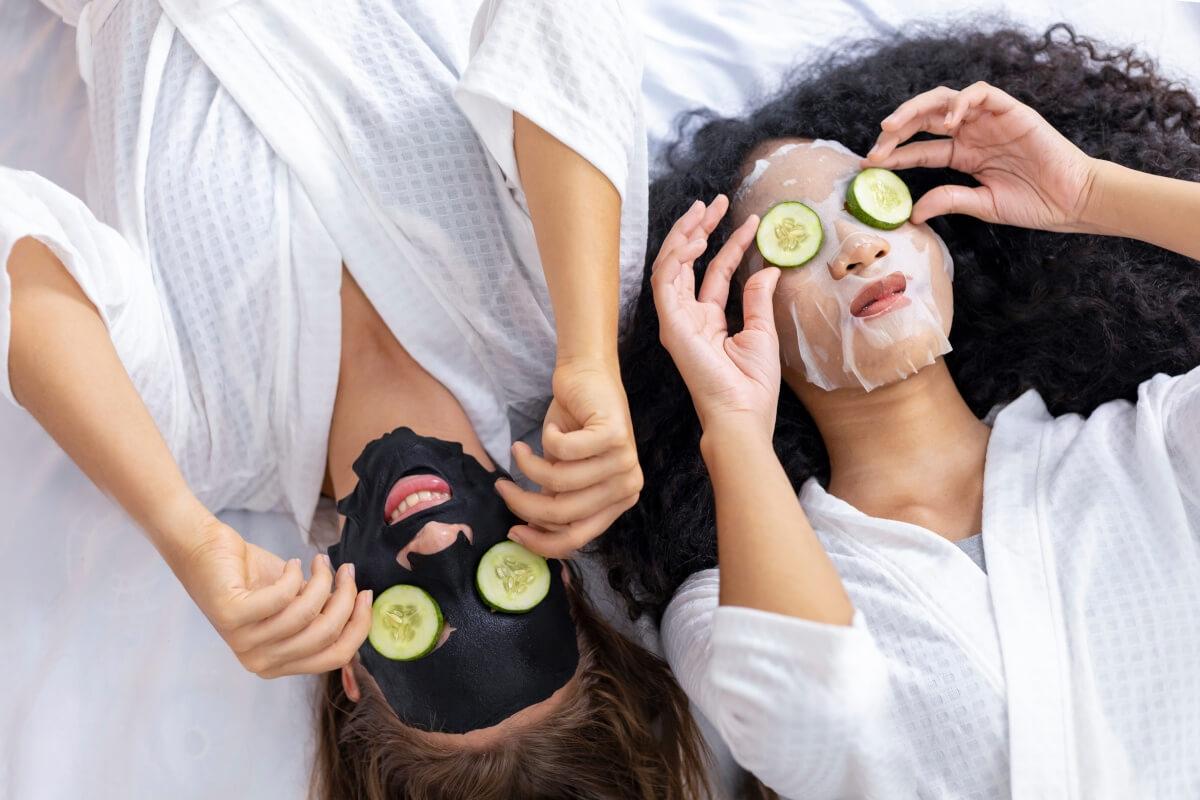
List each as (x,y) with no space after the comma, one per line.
(493,664)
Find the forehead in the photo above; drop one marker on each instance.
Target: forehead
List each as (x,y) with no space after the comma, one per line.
(791,168)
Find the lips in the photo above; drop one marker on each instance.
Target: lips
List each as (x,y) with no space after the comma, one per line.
(413,494)
(880,297)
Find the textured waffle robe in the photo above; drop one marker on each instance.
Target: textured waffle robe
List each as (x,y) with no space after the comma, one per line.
(1068,670)
(241,152)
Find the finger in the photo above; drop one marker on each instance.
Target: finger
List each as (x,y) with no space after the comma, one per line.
(933,153)
(569,507)
(260,604)
(668,273)
(952,199)
(925,112)
(713,213)
(758,310)
(569,476)
(340,653)
(564,544)
(590,440)
(919,105)
(981,96)
(323,631)
(715,287)
(296,616)
(681,231)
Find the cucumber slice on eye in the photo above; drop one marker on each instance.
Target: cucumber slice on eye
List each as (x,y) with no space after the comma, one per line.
(512,579)
(406,623)
(789,234)
(879,198)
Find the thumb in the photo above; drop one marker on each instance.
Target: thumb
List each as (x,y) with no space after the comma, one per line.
(954,199)
(757,309)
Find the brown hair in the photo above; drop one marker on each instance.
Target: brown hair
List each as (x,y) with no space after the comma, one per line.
(624,732)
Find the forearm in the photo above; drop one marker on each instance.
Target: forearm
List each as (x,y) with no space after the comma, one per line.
(64,370)
(1151,208)
(770,558)
(576,215)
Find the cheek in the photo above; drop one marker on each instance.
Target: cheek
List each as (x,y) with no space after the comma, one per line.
(804,311)
(943,294)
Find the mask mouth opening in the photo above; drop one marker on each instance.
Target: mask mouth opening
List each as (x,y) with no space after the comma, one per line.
(880,297)
(413,494)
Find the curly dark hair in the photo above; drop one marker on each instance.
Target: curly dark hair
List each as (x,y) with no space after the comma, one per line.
(1083,319)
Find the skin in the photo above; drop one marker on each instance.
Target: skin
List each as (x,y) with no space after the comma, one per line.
(65,371)
(808,296)
(911,451)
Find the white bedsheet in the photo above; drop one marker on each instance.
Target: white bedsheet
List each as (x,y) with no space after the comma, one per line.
(114,685)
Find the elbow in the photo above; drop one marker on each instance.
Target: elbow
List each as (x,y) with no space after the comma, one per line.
(804,732)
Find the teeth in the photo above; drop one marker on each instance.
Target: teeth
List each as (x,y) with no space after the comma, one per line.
(413,499)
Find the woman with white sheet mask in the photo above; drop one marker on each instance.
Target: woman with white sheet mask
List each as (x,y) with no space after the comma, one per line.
(934,574)
(872,306)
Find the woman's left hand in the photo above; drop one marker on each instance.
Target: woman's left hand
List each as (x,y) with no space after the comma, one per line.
(1030,174)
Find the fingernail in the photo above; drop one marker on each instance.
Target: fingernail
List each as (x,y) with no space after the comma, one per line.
(370,596)
(350,569)
(516,538)
(325,558)
(295,562)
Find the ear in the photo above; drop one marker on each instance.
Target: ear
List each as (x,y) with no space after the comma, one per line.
(350,683)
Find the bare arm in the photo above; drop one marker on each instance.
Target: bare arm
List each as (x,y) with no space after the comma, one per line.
(590,474)
(1157,210)
(65,371)
(770,557)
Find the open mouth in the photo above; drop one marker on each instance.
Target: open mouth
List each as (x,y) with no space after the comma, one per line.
(881,297)
(413,494)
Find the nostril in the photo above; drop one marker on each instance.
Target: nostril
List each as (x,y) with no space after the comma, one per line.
(853,265)
(881,254)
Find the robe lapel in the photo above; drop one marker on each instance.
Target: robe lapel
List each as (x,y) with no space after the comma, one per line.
(1027,603)
(925,566)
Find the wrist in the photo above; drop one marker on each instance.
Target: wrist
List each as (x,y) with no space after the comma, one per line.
(732,435)
(1097,215)
(599,358)
(178,525)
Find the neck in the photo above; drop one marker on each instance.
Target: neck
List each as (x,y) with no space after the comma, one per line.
(912,450)
(381,388)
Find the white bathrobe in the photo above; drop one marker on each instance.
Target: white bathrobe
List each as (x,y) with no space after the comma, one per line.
(242,151)
(1069,671)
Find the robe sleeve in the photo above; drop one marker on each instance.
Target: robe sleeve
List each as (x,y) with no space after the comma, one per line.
(573,69)
(113,276)
(801,705)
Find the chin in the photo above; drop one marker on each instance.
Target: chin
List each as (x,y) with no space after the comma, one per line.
(879,368)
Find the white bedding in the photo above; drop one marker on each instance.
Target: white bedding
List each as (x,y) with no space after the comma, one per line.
(115,686)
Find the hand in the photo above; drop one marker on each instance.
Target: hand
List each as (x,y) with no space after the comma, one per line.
(1031,175)
(275,623)
(589,474)
(727,376)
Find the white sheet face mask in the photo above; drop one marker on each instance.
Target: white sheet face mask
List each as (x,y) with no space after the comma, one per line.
(872,307)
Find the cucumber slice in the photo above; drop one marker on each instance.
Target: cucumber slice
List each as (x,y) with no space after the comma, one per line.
(406,623)
(879,198)
(789,234)
(512,579)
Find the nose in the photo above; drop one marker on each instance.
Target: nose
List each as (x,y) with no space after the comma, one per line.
(860,249)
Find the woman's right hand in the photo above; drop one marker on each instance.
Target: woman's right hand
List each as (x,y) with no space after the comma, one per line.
(276,623)
(729,377)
